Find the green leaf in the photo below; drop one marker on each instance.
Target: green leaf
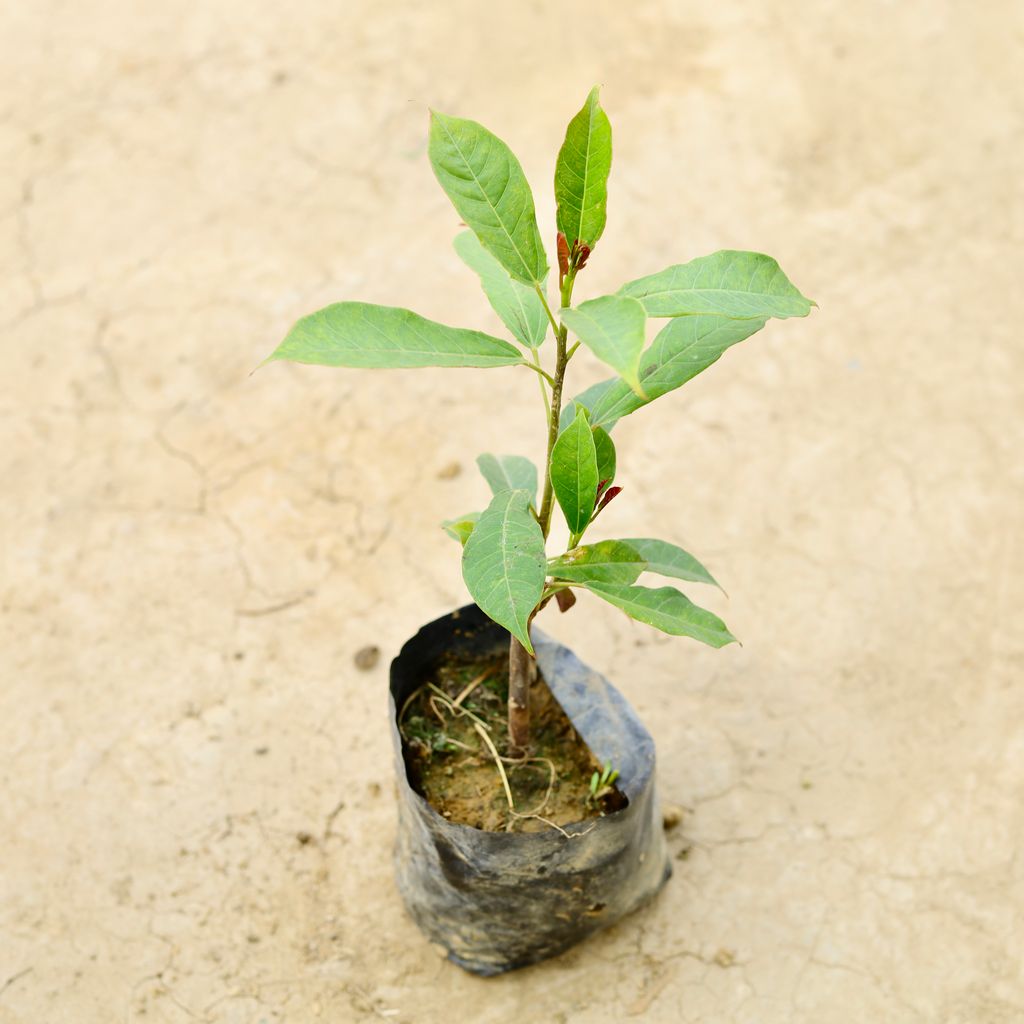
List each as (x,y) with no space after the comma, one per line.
(461,528)
(487,187)
(503,563)
(581,174)
(608,401)
(602,439)
(605,448)
(574,472)
(612,327)
(518,305)
(509,473)
(568,413)
(682,349)
(666,609)
(607,561)
(669,560)
(729,283)
(362,335)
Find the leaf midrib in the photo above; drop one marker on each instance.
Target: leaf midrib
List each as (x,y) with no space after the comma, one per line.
(457,333)
(487,199)
(506,557)
(769,266)
(586,169)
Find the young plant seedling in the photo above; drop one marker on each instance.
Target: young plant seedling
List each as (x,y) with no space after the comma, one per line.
(709,305)
(601,784)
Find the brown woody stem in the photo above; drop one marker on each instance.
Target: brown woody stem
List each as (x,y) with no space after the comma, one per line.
(522,671)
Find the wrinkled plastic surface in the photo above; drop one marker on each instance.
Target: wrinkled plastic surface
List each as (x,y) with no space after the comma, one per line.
(498,900)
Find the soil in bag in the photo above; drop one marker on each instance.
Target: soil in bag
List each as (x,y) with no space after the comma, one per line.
(452,766)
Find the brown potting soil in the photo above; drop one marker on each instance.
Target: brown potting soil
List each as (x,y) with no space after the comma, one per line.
(452,766)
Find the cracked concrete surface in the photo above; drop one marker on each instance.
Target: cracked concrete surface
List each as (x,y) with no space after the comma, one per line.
(197,817)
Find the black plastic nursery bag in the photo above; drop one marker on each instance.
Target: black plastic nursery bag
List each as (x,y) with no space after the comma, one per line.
(498,900)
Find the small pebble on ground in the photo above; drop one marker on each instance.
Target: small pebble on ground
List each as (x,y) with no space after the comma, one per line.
(367,657)
(671,815)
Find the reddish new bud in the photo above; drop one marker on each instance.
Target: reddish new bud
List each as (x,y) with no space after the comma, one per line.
(583,256)
(563,256)
(609,494)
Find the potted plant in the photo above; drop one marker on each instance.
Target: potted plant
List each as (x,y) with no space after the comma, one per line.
(528,817)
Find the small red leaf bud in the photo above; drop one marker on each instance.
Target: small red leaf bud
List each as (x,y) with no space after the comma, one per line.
(563,256)
(609,494)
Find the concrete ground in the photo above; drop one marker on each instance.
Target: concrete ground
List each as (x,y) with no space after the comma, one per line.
(197,816)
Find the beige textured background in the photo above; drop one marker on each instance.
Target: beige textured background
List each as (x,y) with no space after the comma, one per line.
(190,556)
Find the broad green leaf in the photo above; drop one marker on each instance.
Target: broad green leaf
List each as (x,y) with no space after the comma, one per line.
(509,473)
(666,609)
(568,414)
(518,305)
(605,448)
(612,327)
(727,283)
(682,349)
(574,472)
(581,174)
(608,400)
(603,444)
(461,528)
(503,563)
(669,560)
(362,335)
(487,187)
(607,561)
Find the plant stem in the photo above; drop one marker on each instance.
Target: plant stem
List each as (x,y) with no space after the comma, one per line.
(547,309)
(540,383)
(522,670)
(561,359)
(541,372)
(522,666)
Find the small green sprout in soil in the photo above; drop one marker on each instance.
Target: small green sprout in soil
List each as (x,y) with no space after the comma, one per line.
(706,306)
(602,783)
